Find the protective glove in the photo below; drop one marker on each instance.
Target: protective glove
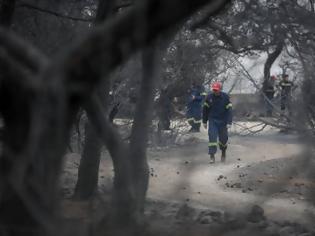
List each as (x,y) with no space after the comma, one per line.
(204,125)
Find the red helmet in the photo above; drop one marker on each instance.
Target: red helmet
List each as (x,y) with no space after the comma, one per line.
(216,86)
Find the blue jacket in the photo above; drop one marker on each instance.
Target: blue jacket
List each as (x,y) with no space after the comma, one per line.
(194,105)
(217,108)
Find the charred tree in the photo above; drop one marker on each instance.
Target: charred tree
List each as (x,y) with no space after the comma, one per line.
(89,165)
(15,111)
(87,182)
(139,135)
(272,57)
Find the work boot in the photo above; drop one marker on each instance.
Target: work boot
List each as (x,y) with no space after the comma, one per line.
(212,159)
(223,155)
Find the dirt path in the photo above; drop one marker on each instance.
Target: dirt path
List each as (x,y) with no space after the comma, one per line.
(185,175)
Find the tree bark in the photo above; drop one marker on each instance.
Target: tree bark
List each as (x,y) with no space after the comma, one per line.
(123,195)
(15,135)
(272,57)
(312,5)
(87,182)
(139,135)
(89,165)
(14,138)
(7,12)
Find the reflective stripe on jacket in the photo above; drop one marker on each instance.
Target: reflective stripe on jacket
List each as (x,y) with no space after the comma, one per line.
(217,107)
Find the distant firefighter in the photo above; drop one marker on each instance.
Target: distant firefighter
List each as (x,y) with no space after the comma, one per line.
(194,107)
(217,111)
(286,88)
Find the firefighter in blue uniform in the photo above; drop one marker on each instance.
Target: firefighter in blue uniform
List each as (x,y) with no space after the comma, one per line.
(217,111)
(194,107)
(286,87)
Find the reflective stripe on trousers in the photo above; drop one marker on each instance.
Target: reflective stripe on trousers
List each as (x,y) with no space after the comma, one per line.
(193,120)
(217,129)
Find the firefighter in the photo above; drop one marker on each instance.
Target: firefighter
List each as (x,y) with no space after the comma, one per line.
(217,111)
(286,88)
(194,108)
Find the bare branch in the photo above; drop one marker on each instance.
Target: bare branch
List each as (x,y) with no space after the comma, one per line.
(20,50)
(250,129)
(57,14)
(144,106)
(274,124)
(73,18)
(234,84)
(99,54)
(105,129)
(205,19)
(271,59)
(251,79)
(15,71)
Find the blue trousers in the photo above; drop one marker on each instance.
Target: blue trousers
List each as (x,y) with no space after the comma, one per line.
(194,123)
(268,106)
(217,129)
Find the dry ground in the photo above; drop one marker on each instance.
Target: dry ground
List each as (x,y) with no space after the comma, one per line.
(268,169)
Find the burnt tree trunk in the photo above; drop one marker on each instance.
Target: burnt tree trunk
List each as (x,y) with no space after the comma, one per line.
(272,57)
(15,137)
(89,165)
(123,195)
(15,134)
(87,182)
(139,135)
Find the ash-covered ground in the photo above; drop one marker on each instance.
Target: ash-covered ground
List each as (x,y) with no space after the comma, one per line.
(266,185)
